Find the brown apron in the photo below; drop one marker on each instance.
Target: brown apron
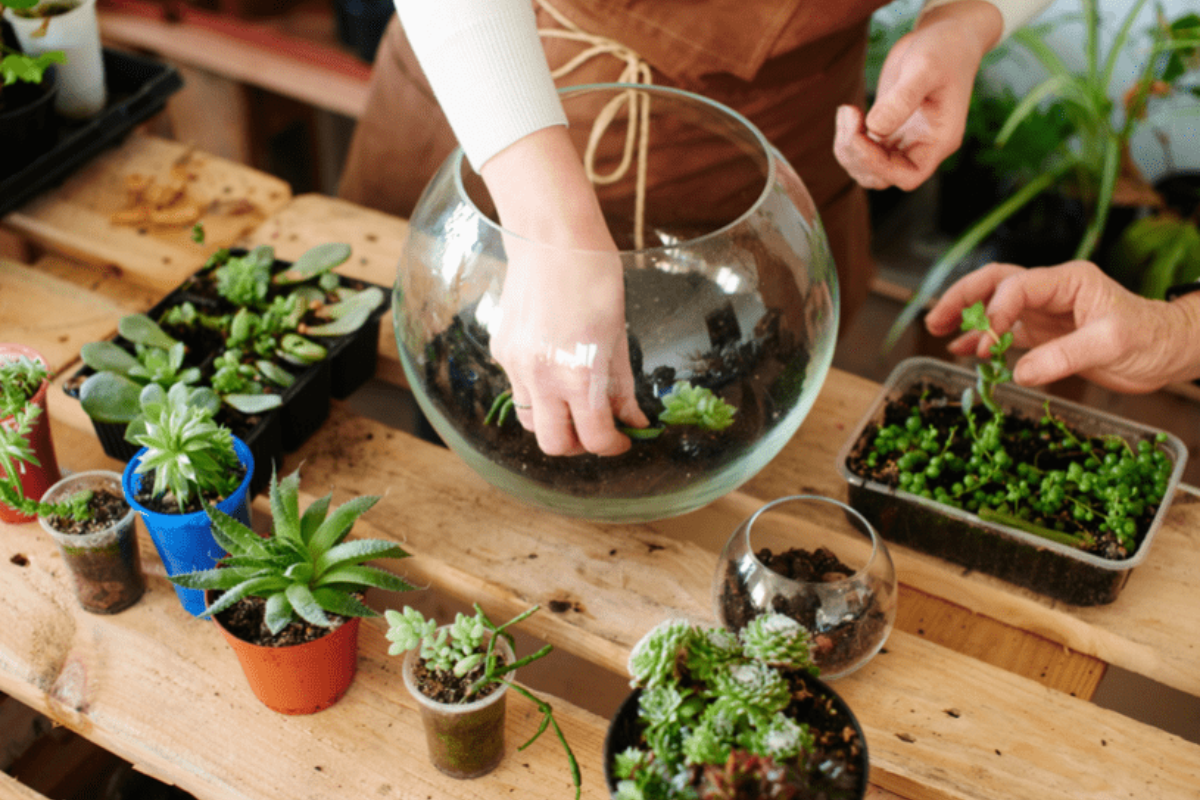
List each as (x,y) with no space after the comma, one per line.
(786,66)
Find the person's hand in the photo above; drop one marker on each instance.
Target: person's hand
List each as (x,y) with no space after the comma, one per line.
(1076,320)
(924,92)
(561,336)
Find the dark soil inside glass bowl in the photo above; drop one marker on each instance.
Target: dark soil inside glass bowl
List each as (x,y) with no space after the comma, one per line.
(760,373)
(834,648)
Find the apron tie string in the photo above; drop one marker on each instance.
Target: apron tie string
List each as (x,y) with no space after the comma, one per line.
(637,130)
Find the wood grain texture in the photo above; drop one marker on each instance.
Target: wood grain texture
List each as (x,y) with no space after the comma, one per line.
(77,218)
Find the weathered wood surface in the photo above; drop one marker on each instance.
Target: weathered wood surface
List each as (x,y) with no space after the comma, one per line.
(939,724)
(162,690)
(12,789)
(77,218)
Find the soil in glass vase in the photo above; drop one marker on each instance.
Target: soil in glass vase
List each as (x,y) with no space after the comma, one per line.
(818,561)
(728,285)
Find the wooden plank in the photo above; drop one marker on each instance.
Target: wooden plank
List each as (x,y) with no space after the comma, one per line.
(614,581)
(248,52)
(77,218)
(13,789)
(52,315)
(161,690)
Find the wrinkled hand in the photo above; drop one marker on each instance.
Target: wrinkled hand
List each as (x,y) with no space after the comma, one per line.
(561,334)
(923,95)
(1077,320)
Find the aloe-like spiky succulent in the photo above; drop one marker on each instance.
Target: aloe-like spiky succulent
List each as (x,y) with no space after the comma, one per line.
(305,568)
(188,452)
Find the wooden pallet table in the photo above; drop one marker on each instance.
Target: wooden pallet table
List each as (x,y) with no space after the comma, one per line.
(981,692)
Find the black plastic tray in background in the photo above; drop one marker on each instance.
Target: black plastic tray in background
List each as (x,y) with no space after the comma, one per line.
(138,88)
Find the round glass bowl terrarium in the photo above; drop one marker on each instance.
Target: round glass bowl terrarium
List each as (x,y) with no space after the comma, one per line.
(728,282)
(818,561)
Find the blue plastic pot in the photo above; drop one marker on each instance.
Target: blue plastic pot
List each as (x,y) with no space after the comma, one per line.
(184,541)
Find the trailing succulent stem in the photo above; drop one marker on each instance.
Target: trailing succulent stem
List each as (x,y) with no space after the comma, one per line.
(15,455)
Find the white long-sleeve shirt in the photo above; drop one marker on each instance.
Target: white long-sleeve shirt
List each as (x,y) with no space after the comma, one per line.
(485,62)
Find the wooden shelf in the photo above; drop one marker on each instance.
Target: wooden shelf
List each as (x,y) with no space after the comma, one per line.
(295,54)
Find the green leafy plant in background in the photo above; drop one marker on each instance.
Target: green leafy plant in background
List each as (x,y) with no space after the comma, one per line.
(15,454)
(189,454)
(469,643)
(1087,160)
(1162,249)
(17,67)
(306,569)
(112,393)
(715,703)
(20,379)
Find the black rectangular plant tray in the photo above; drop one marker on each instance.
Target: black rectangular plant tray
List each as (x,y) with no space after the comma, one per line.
(138,88)
(1019,557)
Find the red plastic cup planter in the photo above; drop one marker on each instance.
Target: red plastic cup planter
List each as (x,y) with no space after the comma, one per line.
(302,678)
(34,480)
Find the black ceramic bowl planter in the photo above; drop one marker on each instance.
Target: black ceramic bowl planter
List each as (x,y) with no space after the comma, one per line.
(732,715)
(1056,568)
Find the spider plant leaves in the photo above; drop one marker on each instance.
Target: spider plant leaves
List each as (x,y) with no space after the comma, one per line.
(354,552)
(285,507)
(360,575)
(313,516)
(316,260)
(305,605)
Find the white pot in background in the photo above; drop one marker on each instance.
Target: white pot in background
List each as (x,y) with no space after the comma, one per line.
(81,90)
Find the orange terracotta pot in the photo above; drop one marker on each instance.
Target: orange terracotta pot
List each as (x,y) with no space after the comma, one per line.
(34,480)
(300,679)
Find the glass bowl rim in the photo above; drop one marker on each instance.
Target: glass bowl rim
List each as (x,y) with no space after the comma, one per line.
(457,157)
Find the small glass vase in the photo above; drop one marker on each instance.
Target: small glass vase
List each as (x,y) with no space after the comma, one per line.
(104,564)
(465,740)
(818,561)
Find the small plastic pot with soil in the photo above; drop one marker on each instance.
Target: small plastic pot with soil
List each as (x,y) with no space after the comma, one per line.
(102,551)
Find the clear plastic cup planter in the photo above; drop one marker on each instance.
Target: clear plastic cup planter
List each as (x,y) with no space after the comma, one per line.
(104,563)
(464,740)
(1047,567)
(818,561)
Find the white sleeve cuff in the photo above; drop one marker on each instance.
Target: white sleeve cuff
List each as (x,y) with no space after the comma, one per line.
(485,61)
(1016,13)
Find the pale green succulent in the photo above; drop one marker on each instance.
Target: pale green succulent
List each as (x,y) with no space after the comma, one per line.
(652,661)
(777,640)
(696,405)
